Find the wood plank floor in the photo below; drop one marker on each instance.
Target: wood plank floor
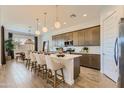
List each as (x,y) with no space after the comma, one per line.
(16,75)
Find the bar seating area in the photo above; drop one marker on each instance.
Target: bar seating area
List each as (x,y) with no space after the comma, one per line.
(43,65)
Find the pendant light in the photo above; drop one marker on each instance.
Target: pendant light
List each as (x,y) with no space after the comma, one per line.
(57,23)
(45,29)
(37,32)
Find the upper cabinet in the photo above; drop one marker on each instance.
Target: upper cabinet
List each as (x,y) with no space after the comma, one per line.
(89,36)
(69,36)
(81,41)
(75,38)
(85,37)
(96,36)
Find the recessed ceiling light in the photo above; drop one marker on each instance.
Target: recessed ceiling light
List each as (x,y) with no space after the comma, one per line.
(64,23)
(84,15)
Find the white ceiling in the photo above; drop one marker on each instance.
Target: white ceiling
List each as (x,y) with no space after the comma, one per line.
(19,18)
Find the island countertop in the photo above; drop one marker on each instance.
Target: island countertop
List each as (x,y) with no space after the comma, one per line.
(66,57)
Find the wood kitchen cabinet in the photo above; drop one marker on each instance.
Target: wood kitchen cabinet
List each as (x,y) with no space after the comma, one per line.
(81,41)
(95,61)
(85,37)
(76,67)
(85,60)
(90,60)
(88,37)
(75,38)
(96,36)
(69,36)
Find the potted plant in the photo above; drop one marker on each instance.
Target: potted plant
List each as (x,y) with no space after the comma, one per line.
(85,49)
(9,47)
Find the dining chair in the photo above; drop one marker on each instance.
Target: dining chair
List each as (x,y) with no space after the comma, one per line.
(53,66)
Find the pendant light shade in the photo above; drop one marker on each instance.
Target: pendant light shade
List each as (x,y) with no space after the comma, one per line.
(37,32)
(45,29)
(57,24)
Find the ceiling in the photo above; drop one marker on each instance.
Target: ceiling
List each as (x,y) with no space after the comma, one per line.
(23,18)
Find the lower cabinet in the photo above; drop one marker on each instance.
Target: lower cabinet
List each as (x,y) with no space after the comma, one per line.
(95,61)
(90,60)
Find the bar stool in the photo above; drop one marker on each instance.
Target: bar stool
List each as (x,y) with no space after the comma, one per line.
(33,63)
(53,66)
(27,57)
(41,64)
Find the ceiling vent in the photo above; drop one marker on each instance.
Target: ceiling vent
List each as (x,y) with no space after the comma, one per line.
(73,16)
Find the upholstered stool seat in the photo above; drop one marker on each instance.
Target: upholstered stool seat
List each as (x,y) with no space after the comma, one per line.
(32,63)
(53,67)
(41,64)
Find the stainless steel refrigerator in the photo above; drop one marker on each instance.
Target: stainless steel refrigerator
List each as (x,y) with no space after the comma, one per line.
(119,53)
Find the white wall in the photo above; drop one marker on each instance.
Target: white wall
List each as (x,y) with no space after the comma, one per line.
(93,49)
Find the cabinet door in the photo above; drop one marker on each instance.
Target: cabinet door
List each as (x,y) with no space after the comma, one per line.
(81,38)
(75,38)
(70,36)
(95,61)
(85,60)
(88,37)
(96,36)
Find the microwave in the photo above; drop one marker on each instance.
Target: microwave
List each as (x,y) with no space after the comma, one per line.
(68,43)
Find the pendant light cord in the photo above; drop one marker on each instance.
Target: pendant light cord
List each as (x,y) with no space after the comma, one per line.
(45,19)
(37,23)
(56,12)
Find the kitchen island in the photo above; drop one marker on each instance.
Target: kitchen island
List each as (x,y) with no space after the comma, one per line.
(72,66)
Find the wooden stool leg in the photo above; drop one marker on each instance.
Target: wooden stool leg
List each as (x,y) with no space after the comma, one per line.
(26,62)
(44,71)
(29,65)
(47,76)
(55,77)
(35,66)
(62,75)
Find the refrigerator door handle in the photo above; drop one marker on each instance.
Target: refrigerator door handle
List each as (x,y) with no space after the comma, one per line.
(115,51)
